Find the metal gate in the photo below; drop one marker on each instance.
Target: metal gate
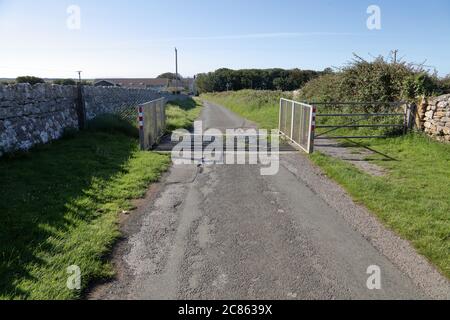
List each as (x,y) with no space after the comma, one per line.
(367,120)
(152,122)
(297,123)
(378,119)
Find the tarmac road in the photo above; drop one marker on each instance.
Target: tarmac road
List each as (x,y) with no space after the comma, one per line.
(227,232)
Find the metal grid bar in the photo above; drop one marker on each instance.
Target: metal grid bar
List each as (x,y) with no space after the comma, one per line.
(394,104)
(351,137)
(364,126)
(361,115)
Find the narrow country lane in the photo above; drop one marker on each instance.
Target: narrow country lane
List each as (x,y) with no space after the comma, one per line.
(226,232)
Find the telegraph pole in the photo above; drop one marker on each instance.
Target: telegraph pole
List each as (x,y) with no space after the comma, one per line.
(395,56)
(176,69)
(79,76)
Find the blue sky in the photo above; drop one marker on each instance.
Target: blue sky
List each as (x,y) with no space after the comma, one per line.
(136,38)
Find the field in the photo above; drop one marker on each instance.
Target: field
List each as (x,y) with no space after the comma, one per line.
(412,199)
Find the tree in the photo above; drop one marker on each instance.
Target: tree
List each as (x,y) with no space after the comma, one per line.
(170,76)
(257,79)
(29,79)
(65,82)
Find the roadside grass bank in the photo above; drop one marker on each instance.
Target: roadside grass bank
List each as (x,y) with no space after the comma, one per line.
(412,199)
(59,206)
(257,106)
(181,114)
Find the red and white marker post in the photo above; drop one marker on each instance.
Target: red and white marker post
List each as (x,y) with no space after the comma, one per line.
(141,126)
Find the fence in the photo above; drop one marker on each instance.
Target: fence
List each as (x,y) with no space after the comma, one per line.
(152,122)
(297,123)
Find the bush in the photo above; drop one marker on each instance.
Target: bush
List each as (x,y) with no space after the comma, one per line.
(29,79)
(381,80)
(445,84)
(323,89)
(65,82)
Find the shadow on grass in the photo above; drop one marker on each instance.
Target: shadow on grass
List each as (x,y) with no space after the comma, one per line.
(353,143)
(185,104)
(181,114)
(38,199)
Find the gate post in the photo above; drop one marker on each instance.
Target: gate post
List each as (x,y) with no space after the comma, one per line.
(81,110)
(411,116)
(292,120)
(141,127)
(279,116)
(312,130)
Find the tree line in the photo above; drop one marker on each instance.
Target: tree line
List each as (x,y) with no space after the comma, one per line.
(257,79)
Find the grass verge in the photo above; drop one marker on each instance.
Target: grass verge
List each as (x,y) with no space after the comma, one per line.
(413,199)
(59,206)
(181,114)
(257,106)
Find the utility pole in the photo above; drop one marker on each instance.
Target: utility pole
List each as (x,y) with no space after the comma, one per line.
(176,69)
(395,56)
(79,76)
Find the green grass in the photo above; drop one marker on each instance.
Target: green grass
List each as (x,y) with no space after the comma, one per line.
(182,114)
(262,107)
(59,206)
(257,106)
(413,199)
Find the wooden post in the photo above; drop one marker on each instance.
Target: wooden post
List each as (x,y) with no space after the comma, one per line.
(412,110)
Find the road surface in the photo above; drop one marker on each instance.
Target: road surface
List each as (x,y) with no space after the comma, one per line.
(226,232)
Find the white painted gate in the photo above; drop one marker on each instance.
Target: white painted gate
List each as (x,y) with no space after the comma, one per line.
(297,123)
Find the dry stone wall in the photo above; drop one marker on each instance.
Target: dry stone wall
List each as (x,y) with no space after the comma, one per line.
(434,117)
(31,115)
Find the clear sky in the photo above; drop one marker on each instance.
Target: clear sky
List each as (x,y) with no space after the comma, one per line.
(136,38)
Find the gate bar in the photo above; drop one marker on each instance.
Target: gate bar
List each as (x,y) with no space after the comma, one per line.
(394,104)
(363,126)
(352,137)
(360,114)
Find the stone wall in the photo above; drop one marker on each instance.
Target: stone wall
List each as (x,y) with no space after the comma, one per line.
(31,115)
(101,100)
(434,117)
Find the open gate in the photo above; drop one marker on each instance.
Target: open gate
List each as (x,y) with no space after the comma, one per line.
(297,121)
